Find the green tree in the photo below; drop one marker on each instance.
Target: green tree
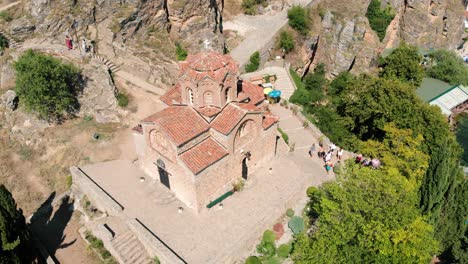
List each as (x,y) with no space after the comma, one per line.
(254,62)
(285,41)
(47,86)
(298,18)
(181,53)
(16,246)
(462,137)
(449,67)
(315,83)
(379,19)
(404,64)
(366,216)
(3,43)
(340,83)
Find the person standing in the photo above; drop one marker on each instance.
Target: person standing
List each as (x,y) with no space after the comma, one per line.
(332,147)
(312,150)
(328,167)
(68,42)
(83,45)
(328,157)
(339,154)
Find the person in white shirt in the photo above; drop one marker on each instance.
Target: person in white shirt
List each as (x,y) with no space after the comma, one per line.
(340,153)
(332,147)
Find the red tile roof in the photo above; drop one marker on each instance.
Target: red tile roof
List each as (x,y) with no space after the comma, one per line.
(254,92)
(208,64)
(208,111)
(172,95)
(203,155)
(181,123)
(269,120)
(228,118)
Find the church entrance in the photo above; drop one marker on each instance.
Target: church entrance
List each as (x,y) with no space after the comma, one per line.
(245,169)
(163,174)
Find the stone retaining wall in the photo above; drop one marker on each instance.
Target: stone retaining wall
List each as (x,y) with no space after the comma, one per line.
(102,200)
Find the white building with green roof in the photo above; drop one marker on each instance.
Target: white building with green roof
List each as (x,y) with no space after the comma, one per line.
(450,99)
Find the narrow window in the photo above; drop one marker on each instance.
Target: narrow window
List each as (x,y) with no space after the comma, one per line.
(190,96)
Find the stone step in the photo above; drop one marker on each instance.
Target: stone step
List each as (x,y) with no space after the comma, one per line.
(121,239)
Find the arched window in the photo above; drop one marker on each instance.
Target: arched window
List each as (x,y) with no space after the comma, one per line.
(190,96)
(208,98)
(246,128)
(227,95)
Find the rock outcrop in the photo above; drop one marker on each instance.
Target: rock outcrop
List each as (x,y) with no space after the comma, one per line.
(10,100)
(348,43)
(98,96)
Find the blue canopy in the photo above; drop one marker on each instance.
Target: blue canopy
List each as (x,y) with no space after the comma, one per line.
(275,94)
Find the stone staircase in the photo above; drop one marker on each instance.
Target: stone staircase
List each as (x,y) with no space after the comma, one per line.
(130,249)
(13,44)
(111,66)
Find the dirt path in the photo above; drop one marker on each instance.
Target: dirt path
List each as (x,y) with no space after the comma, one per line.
(258,30)
(10,5)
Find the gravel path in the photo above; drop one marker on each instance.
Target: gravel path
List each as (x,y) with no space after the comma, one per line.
(257,30)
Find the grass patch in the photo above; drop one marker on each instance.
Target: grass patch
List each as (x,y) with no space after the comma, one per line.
(6,16)
(69,181)
(122,99)
(181,53)
(97,245)
(284,135)
(296,79)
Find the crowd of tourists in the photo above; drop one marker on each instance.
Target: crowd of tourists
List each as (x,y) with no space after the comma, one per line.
(328,155)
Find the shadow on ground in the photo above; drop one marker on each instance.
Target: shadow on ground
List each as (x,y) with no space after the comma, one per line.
(48,224)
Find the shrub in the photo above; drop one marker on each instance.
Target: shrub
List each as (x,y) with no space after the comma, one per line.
(47,86)
(252,260)
(284,250)
(290,212)
(5,15)
(284,135)
(122,99)
(3,43)
(267,249)
(285,41)
(156,260)
(254,62)
(379,19)
(296,224)
(272,260)
(181,53)
(312,191)
(69,181)
(305,124)
(269,236)
(298,18)
(238,186)
(300,96)
(250,6)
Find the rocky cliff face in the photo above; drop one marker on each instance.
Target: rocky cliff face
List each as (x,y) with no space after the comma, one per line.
(346,41)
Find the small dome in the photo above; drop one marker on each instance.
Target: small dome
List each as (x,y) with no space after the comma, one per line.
(208,61)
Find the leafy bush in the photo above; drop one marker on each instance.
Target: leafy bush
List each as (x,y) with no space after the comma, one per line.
(267,249)
(272,260)
(284,250)
(284,135)
(290,212)
(122,99)
(238,186)
(269,236)
(379,19)
(3,43)
(285,41)
(462,136)
(300,96)
(250,6)
(252,260)
(254,62)
(296,224)
(156,260)
(298,18)
(181,53)
(47,86)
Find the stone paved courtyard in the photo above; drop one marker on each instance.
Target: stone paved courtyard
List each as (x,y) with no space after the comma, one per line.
(218,235)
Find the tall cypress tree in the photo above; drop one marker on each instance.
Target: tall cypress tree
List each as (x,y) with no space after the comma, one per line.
(15,242)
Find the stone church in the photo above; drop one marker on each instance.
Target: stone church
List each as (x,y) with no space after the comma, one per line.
(215,130)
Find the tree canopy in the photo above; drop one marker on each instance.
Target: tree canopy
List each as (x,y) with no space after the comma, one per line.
(366,216)
(379,19)
(449,67)
(15,241)
(47,86)
(404,64)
